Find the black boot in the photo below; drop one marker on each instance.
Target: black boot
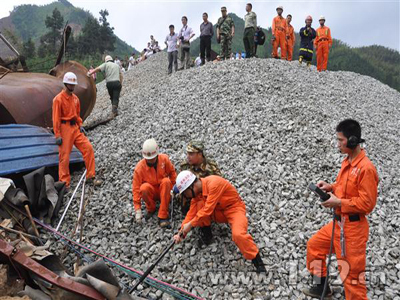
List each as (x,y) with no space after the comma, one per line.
(259,264)
(317,289)
(205,236)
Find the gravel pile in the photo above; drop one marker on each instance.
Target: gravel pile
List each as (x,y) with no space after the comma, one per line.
(270,126)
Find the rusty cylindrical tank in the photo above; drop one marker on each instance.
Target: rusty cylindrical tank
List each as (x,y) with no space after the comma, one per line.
(27,98)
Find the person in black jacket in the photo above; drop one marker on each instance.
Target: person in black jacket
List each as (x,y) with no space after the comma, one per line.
(307,35)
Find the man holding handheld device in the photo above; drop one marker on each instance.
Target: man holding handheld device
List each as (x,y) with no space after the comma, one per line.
(352,196)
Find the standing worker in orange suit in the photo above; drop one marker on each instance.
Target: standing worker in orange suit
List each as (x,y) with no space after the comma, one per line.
(214,198)
(279,34)
(291,38)
(153,179)
(353,196)
(322,43)
(67,126)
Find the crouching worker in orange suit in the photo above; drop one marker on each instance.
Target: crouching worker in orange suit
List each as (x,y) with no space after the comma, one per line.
(323,43)
(153,179)
(353,196)
(67,126)
(214,198)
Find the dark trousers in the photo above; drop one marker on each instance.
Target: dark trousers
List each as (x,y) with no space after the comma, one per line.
(248,41)
(172,60)
(205,48)
(114,89)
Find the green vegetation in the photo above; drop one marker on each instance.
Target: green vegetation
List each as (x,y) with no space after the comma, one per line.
(376,61)
(37,32)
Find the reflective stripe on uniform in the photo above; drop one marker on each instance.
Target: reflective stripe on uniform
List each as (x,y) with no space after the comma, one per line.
(307,50)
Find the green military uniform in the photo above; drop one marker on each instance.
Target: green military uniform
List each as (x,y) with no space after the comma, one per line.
(225,31)
(207,168)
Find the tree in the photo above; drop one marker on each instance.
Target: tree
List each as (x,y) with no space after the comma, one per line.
(50,40)
(106,35)
(28,49)
(89,40)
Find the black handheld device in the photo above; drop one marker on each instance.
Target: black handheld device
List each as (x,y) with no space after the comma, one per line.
(320,193)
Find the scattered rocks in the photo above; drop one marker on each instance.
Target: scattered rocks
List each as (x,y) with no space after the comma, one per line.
(270,125)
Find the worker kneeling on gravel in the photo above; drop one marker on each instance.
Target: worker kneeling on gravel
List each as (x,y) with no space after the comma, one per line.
(214,198)
(153,179)
(113,75)
(67,126)
(353,196)
(198,164)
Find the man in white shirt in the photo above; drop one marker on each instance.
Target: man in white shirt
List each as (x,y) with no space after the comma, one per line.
(171,41)
(185,35)
(131,61)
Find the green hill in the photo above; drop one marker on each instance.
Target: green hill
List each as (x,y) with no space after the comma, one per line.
(376,61)
(28,21)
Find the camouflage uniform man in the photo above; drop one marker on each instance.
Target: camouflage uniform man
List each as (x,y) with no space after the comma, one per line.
(225,33)
(201,166)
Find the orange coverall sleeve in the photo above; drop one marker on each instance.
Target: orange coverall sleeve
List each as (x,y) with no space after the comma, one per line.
(171,172)
(78,112)
(136,183)
(57,117)
(191,213)
(214,195)
(329,37)
(368,192)
(273,26)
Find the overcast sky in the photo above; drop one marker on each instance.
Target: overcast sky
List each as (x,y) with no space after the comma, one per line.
(357,23)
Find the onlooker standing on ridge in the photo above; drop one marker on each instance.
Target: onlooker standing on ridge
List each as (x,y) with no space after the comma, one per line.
(113,75)
(323,43)
(291,38)
(185,35)
(279,34)
(206,33)
(225,33)
(171,41)
(250,26)
(307,35)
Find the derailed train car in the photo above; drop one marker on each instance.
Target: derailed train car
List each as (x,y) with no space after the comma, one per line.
(27,98)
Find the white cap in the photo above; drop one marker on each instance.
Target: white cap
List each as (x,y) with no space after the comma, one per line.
(322,18)
(70,78)
(184,180)
(279,7)
(150,149)
(108,58)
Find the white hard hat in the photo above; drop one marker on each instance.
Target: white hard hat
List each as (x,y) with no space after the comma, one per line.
(150,149)
(70,78)
(322,18)
(184,180)
(279,7)
(108,58)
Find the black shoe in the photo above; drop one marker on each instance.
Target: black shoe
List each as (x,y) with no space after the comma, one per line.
(205,236)
(259,264)
(317,289)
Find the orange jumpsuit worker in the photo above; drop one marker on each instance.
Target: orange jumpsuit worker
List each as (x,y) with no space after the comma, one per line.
(214,198)
(291,38)
(279,34)
(68,131)
(322,43)
(353,196)
(153,179)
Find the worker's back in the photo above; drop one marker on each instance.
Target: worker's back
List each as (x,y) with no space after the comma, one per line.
(111,71)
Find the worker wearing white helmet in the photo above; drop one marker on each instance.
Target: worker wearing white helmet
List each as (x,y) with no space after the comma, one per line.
(323,44)
(113,75)
(279,34)
(67,126)
(213,198)
(153,179)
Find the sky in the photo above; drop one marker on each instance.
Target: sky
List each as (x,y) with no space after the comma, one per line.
(357,23)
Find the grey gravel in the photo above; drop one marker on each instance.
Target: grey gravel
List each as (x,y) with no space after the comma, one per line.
(270,126)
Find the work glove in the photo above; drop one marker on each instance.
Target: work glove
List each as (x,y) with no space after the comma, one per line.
(59,141)
(83,130)
(138,216)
